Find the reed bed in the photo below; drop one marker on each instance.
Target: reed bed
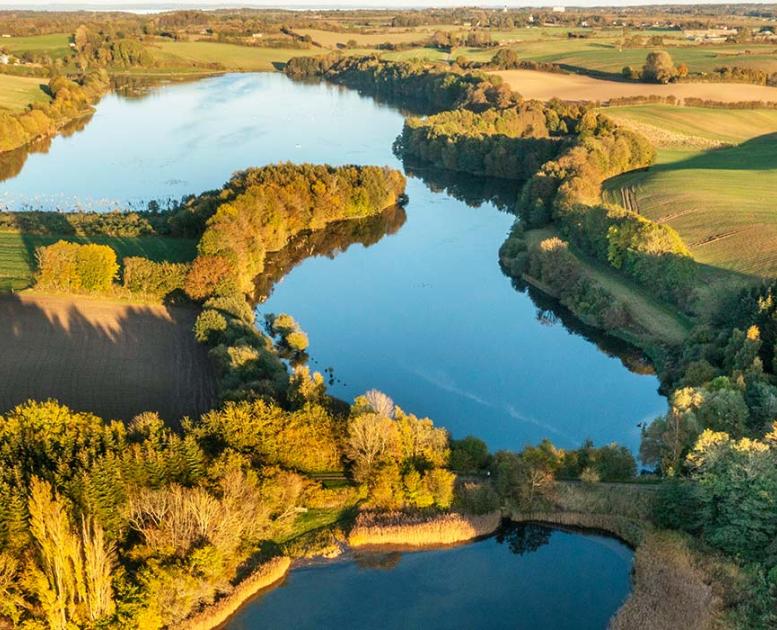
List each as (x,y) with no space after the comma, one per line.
(417,530)
(215,615)
(672,589)
(628,530)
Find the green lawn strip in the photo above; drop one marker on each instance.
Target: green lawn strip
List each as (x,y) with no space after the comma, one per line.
(17,252)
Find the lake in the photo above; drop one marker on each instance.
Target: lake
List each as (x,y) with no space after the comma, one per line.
(500,582)
(424,314)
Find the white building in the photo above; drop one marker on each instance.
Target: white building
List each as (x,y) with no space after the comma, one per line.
(4,59)
(559,9)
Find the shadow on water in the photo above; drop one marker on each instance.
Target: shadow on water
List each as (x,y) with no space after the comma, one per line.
(113,359)
(330,241)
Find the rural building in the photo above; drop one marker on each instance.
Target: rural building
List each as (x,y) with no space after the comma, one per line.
(559,9)
(4,59)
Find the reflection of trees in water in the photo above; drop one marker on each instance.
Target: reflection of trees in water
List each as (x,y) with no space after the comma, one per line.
(374,560)
(330,241)
(524,538)
(551,312)
(137,88)
(469,189)
(476,191)
(11,162)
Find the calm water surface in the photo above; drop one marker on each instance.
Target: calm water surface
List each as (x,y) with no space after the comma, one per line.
(424,314)
(531,577)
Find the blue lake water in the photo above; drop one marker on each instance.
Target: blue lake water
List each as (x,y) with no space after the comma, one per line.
(531,577)
(425,314)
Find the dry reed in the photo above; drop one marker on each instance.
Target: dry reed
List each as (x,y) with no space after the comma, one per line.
(221,610)
(418,530)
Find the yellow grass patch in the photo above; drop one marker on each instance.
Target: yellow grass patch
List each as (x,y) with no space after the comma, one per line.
(18,92)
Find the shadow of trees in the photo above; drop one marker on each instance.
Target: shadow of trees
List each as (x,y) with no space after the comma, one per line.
(113,359)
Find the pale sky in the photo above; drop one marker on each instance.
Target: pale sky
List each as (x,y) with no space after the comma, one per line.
(388,4)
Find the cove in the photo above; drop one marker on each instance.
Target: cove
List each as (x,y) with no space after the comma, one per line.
(423,313)
(528,576)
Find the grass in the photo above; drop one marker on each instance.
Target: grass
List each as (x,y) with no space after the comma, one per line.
(18,92)
(230,56)
(56,45)
(720,201)
(659,122)
(17,253)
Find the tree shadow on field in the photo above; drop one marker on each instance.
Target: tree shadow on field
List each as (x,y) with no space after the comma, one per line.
(112,359)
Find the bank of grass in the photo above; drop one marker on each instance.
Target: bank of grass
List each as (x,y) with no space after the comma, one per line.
(267,574)
(16,93)
(17,253)
(657,323)
(397,528)
(229,56)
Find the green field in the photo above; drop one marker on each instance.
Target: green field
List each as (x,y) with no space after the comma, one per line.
(670,126)
(56,45)
(18,92)
(720,201)
(230,56)
(17,253)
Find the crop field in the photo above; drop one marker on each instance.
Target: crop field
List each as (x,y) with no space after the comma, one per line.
(55,45)
(692,127)
(17,253)
(231,56)
(721,202)
(116,360)
(18,92)
(546,85)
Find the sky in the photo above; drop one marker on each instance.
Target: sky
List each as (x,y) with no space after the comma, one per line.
(333,3)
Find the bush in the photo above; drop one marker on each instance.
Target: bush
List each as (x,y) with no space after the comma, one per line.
(142,275)
(68,266)
(208,324)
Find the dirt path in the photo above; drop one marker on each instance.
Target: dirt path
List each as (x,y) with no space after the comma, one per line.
(112,358)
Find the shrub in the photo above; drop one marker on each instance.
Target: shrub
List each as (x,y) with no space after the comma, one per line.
(142,275)
(208,324)
(68,266)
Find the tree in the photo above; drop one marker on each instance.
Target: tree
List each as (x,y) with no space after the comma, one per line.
(371,438)
(659,67)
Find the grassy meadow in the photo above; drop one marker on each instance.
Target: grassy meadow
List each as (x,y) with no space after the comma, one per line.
(230,56)
(17,253)
(719,198)
(18,92)
(56,45)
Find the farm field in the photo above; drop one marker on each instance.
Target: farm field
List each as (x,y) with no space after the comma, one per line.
(18,92)
(115,360)
(547,85)
(56,45)
(232,57)
(17,253)
(720,201)
(668,126)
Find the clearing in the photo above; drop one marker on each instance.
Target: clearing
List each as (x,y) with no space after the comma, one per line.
(114,359)
(17,252)
(18,92)
(55,45)
(575,87)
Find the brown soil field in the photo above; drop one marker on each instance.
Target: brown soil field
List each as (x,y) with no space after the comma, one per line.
(114,359)
(574,87)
